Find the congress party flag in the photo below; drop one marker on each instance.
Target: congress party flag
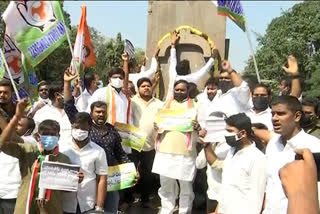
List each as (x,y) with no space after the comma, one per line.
(37,27)
(2,66)
(233,9)
(83,48)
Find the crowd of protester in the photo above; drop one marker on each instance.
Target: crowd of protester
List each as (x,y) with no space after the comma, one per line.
(251,169)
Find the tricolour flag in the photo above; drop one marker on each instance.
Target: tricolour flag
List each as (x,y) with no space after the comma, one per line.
(83,48)
(2,66)
(233,9)
(37,27)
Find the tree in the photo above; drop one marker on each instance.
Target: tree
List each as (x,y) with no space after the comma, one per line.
(295,32)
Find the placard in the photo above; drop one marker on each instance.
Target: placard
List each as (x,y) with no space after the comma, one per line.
(121,177)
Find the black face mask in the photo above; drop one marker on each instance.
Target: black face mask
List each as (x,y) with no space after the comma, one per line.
(233,140)
(180,96)
(225,86)
(260,103)
(308,120)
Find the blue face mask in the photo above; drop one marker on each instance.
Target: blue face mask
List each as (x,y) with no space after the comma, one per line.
(49,142)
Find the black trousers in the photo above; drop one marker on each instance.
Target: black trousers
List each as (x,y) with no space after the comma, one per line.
(211,205)
(7,206)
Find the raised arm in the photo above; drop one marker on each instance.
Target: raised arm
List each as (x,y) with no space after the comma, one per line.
(10,128)
(67,78)
(293,70)
(235,77)
(125,59)
(173,64)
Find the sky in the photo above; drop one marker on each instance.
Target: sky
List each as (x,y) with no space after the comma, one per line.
(130,18)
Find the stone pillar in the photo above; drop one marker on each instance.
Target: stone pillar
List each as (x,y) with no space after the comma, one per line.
(165,16)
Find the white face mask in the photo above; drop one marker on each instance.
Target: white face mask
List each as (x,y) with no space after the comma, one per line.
(79,134)
(116,82)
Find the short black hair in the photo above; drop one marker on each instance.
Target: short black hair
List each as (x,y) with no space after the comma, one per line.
(291,102)
(82,117)
(259,126)
(49,125)
(88,78)
(287,81)
(115,70)
(192,90)
(240,121)
(6,83)
(181,81)
(97,104)
(31,124)
(55,88)
(212,81)
(262,85)
(310,101)
(142,80)
(183,67)
(42,83)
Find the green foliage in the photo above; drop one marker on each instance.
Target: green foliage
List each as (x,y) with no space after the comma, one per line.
(296,32)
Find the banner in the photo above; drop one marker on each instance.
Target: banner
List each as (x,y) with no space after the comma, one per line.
(131,136)
(83,48)
(176,120)
(37,27)
(233,9)
(21,71)
(121,177)
(59,176)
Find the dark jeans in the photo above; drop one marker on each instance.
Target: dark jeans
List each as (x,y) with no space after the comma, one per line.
(211,205)
(111,203)
(146,182)
(7,206)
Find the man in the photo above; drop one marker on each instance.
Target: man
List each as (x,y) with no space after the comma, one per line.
(131,89)
(55,112)
(299,181)
(134,77)
(93,163)
(243,171)
(43,99)
(145,109)
(291,85)
(91,82)
(6,93)
(102,133)
(178,71)
(207,100)
(286,115)
(261,113)
(25,128)
(310,119)
(29,156)
(175,158)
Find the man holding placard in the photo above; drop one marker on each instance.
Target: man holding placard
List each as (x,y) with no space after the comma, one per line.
(93,163)
(32,199)
(176,152)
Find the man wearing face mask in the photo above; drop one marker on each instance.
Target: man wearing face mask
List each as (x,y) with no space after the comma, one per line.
(233,93)
(55,112)
(310,119)
(116,96)
(93,163)
(244,169)
(261,112)
(175,157)
(30,156)
(102,133)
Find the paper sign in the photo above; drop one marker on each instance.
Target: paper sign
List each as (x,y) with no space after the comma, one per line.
(131,136)
(176,120)
(121,177)
(216,129)
(59,176)
(129,48)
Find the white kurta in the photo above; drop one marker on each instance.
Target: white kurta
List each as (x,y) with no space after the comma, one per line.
(277,156)
(81,102)
(264,117)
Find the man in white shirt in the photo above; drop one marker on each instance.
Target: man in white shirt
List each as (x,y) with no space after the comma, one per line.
(175,158)
(261,112)
(243,170)
(91,81)
(93,164)
(181,70)
(145,108)
(134,77)
(286,111)
(56,112)
(43,99)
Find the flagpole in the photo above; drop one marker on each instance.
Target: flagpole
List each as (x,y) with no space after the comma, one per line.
(10,76)
(252,52)
(73,58)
